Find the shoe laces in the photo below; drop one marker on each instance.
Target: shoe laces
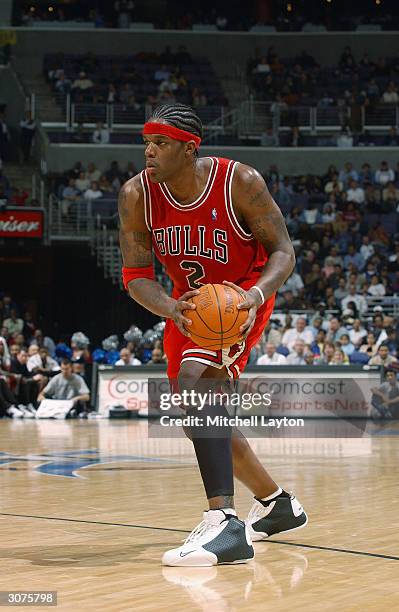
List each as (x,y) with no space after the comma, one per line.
(199,531)
(257,512)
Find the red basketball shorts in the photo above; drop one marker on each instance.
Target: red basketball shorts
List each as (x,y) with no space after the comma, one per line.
(180,349)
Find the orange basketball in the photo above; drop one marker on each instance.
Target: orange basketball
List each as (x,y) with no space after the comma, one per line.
(216,320)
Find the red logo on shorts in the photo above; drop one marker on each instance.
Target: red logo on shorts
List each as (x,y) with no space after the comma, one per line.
(234,349)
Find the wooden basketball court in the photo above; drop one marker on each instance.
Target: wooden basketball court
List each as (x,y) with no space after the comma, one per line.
(88,508)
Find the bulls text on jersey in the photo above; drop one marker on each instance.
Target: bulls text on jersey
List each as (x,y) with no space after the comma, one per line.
(180,240)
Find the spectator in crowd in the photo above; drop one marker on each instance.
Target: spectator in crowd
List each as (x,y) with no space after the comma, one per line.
(94,192)
(376,287)
(92,173)
(70,195)
(339,358)
(392,138)
(28,127)
(269,138)
(67,386)
(82,83)
(82,183)
(367,249)
(384,175)
(63,84)
(370,346)
(157,357)
(357,333)
(294,284)
(45,341)
(383,358)
(300,331)
(41,363)
(347,174)
(345,139)
(127,359)
(357,298)
(298,354)
(271,357)
(335,330)
(13,323)
(385,398)
(28,384)
(101,134)
(346,345)
(355,193)
(317,346)
(390,95)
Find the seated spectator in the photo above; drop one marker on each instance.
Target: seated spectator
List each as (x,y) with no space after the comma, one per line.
(334,185)
(339,358)
(335,330)
(353,257)
(13,324)
(390,194)
(157,357)
(126,92)
(341,291)
(291,335)
(367,249)
(383,358)
(101,134)
(298,354)
(82,83)
(327,354)
(63,84)
(82,183)
(345,139)
(293,283)
(328,215)
(271,357)
(392,138)
(161,74)
(385,398)
(9,403)
(94,192)
(272,332)
(311,215)
(317,346)
(127,359)
(92,173)
(366,176)
(355,193)
(28,384)
(67,386)
(370,346)
(269,138)
(347,174)
(346,345)
(384,175)
(357,333)
(376,288)
(390,95)
(70,195)
(41,363)
(45,341)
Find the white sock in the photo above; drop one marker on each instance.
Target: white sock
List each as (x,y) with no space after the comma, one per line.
(273,495)
(225,510)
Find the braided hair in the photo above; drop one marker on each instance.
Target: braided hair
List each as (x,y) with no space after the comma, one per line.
(180,116)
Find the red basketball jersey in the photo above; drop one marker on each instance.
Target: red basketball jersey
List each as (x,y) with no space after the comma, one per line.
(202,242)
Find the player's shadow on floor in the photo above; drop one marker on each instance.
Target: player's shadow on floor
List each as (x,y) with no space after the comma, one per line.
(86,555)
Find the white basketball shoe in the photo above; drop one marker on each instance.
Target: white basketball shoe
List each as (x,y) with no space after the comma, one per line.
(219,538)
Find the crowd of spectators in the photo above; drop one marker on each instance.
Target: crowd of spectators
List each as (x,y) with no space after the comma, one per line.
(130,82)
(282,16)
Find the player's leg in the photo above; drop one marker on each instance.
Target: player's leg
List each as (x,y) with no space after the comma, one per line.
(221,537)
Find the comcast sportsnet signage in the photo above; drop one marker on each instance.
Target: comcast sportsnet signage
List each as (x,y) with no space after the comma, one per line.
(17,223)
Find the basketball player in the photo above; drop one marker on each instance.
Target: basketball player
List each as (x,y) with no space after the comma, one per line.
(209,220)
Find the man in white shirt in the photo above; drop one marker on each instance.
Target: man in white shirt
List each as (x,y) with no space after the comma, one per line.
(101,134)
(357,333)
(355,193)
(127,359)
(297,357)
(291,335)
(367,249)
(294,284)
(42,363)
(384,175)
(376,288)
(271,357)
(93,193)
(353,296)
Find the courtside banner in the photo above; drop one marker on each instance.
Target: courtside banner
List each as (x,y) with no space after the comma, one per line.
(279,391)
(22,223)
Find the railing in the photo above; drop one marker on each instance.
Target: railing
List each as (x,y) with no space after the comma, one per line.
(77,220)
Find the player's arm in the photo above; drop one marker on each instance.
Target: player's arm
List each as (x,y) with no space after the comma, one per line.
(260,213)
(256,209)
(136,249)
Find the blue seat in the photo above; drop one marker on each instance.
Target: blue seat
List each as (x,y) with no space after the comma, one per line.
(359,358)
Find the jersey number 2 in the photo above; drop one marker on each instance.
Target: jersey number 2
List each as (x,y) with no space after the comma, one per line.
(196,273)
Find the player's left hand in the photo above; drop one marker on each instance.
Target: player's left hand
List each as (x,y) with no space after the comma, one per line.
(251,303)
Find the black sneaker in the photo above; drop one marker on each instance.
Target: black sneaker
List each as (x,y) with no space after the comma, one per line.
(266,518)
(219,538)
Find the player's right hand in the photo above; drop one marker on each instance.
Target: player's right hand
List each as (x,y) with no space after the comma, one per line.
(178,313)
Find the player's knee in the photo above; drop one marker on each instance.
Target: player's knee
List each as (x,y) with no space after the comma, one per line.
(189,375)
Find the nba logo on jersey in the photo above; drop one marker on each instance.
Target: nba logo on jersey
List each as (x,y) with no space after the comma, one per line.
(214,214)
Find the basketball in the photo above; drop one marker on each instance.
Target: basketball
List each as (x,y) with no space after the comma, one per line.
(216,321)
